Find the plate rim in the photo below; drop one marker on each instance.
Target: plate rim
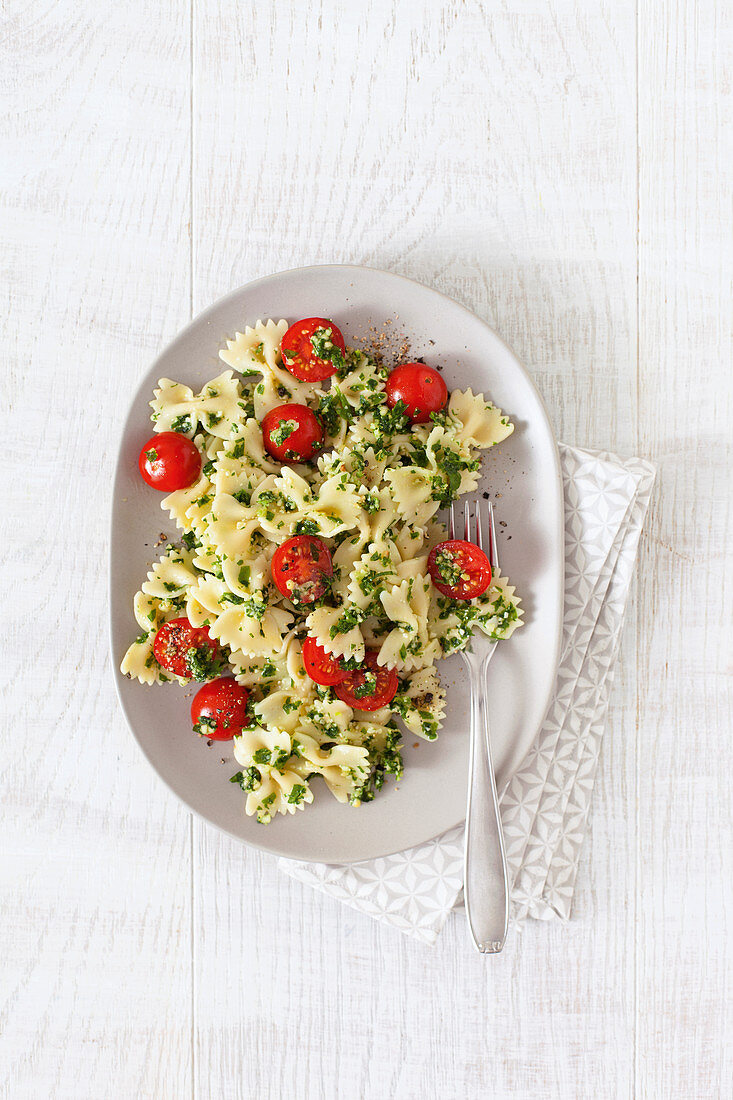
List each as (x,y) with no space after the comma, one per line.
(180,335)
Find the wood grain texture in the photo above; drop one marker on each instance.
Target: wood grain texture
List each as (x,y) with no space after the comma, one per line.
(685,757)
(562,169)
(95,872)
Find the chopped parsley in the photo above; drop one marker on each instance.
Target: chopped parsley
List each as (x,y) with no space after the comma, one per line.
(368,686)
(182,424)
(205,726)
(306,527)
(297,794)
(448,570)
(332,409)
(384,760)
(348,619)
(200,663)
(248,780)
(283,431)
(325,349)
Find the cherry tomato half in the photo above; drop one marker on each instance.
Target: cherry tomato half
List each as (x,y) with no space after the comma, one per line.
(369,687)
(219,709)
(459,569)
(302,568)
(292,433)
(313,349)
(170,461)
(421,388)
(186,650)
(322,667)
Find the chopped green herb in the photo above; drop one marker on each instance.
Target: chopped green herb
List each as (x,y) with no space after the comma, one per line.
(324,347)
(297,794)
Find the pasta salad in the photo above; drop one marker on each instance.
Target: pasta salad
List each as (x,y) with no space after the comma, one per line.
(313,590)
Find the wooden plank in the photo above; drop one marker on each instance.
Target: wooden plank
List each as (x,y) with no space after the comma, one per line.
(95,876)
(491,152)
(685,755)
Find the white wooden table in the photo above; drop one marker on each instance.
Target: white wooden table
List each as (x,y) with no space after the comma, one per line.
(564,169)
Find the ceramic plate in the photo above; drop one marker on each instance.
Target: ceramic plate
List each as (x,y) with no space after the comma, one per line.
(523,477)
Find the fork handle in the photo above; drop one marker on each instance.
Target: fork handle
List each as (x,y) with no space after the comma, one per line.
(486,885)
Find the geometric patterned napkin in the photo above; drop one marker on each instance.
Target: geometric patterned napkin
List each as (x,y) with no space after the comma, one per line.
(545,805)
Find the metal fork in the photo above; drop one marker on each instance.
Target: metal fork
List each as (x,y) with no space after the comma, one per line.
(486,883)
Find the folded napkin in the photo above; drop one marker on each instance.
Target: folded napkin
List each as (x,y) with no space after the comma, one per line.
(545,806)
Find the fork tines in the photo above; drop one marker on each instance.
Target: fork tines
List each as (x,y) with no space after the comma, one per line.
(478,528)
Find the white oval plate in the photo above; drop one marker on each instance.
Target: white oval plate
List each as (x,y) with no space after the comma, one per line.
(523,475)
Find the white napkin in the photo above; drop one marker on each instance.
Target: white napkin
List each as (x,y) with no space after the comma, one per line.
(545,806)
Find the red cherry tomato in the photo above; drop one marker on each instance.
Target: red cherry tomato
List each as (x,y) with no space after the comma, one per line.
(313,349)
(292,433)
(322,667)
(369,687)
(170,461)
(302,568)
(186,650)
(421,388)
(459,569)
(219,709)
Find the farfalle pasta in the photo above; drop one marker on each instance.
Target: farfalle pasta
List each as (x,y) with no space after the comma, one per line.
(355,480)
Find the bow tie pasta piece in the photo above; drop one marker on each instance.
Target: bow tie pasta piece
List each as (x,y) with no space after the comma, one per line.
(243,461)
(345,557)
(383,514)
(257,351)
(481,424)
(256,347)
(267,775)
(422,705)
(336,629)
(231,529)
(246,624)
(249,578)
(217,408)
(337,506)
(361,466)
(412,567)
(412,492)
(382,745)
(342,766)
(275,792)
(280,709)
(150,613)
(259,672)
(284,670)
(499,611)
(140,664)
(252,630)
(408,645)
(187,507)
(172,576)
(327,720)
(375,571)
